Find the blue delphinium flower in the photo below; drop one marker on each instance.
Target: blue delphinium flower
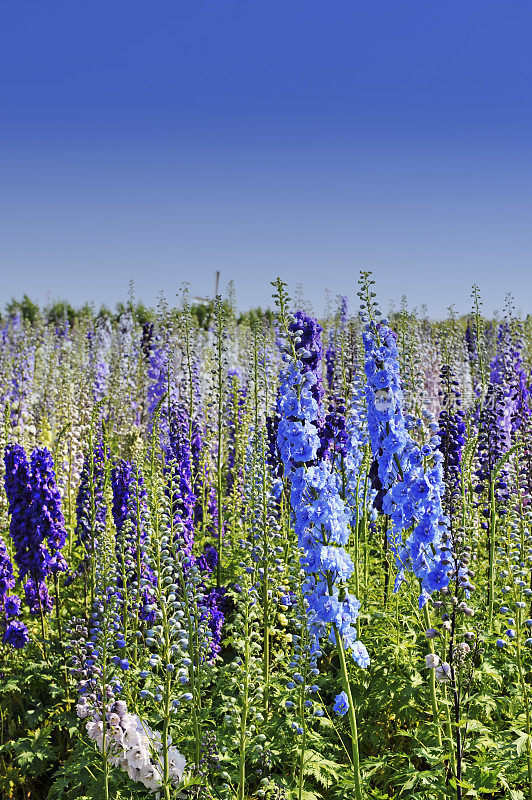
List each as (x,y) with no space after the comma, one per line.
(341,704)
(179,482)
(320,518)
(408,479)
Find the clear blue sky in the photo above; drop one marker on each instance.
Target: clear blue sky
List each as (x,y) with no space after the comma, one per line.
(160,140)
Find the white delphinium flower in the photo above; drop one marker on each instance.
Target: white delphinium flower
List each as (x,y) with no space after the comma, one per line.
(95,731)
(151,777)
(138,757)
(132,738)
(176,763)
(432,660)
(130,743)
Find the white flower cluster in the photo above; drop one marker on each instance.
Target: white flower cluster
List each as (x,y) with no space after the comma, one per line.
(131,745)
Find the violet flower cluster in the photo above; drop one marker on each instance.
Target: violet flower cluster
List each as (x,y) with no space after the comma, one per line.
(505,409)
(37,525)
(91,510)
(179,481)
(130,514)
(15,633)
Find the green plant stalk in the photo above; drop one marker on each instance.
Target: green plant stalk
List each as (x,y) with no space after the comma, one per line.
(448,724)
(243,719)
(524,690)
(303,738)
(265,587)
(432,682)
(351,712)
(493,530)
(193,675)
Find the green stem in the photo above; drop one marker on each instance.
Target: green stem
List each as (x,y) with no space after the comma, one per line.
(351,712)
(432,683)
(243,719)
(526,704)
(493,526)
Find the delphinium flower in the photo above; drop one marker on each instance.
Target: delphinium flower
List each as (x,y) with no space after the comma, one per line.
(91,508)
(214,612)
(459,648)
(335,333)
(451,431)
(157,375)
(21,342)
(236,399)
(179,473)
(99,347)
(180,641)
(503,411)
(334,434)
(33,558)
(408,479)
(330,360)
(45,509)
(14,631)
(320,519)
(409,338)
(125,740)
(130,514)
(179,488)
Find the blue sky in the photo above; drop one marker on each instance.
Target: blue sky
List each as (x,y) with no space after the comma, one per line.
(160,141)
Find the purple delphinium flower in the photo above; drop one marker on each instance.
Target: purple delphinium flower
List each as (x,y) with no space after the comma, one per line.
(504,410)
(178,472)
(91,511)
(130,512)
(16,634)
(46,509)
(216,603)
(451,431)
(36,525)
(236,400)
(18,491)
(7,577)
(12,603)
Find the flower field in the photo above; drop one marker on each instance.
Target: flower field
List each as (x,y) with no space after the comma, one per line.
(265,555)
